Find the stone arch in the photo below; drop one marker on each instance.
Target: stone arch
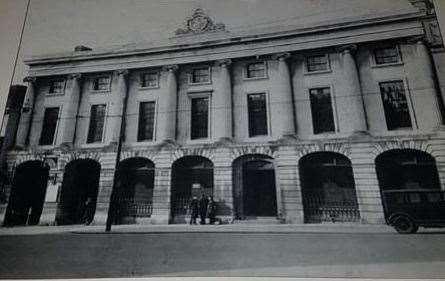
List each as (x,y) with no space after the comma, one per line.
(91,155)
(334,147)
(148,154)
(421,145)
(204,152)
(253,150)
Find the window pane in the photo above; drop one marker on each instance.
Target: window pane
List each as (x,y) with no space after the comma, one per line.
(200,118)
(149,80)
(395,105)
(97,120)
(322,114)
(386,55)
(146,121)
(257,114)
(257,70)
(56,86)
(101,83)
(200,75)
(49,126)
(317,63)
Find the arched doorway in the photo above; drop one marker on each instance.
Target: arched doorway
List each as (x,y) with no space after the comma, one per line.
(27,194)
(328,189)
(134,190)
(79,192)
(191,176)
(254,190)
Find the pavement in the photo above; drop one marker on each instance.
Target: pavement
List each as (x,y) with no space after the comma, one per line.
(183,228)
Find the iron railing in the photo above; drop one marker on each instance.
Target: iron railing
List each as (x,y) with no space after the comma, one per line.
(319,208)
(129,207)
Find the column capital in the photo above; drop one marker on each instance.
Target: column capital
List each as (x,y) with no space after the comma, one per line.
(123,72)
(75,76)
(419,39)
(170,68)
(346,49)
(224,62)
(29,79)
(281,56)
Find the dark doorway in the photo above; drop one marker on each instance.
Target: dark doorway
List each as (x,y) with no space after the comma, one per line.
(328,189)
(254,189)
(191,176)
(134,190)
(78,197)
(27,194)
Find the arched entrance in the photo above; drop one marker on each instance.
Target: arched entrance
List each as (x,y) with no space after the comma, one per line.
(27,194)
(134,190)
(328,189)
(191,176)
(254,190)
(79,192)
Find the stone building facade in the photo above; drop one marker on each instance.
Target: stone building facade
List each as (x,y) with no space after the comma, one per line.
(296,125)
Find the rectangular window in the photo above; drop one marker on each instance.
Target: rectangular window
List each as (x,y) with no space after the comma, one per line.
(395,105)
(149,80)
(146,121)
(256,70)
(97,121)
(257,111)
(386,55)
(56,87)
(101,83)
(200,118)
(317,63)
(322,113)
(200,75)
(50,118)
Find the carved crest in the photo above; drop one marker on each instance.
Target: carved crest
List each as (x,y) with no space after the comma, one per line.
(200,22)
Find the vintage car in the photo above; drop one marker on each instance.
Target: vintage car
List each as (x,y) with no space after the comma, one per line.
(407,209)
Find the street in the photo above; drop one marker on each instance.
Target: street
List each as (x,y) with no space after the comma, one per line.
(80,255)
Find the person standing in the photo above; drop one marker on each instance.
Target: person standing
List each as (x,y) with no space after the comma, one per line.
(211,210)
(88,211)
(194,209)
(203,202)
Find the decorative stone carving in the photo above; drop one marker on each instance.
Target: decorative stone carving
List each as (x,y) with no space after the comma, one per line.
(200,22)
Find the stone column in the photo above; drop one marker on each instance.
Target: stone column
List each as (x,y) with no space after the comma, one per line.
(352,97)
(282,107)
(69,114)
(27,112)
(223,103)
(167,108)
(116,106)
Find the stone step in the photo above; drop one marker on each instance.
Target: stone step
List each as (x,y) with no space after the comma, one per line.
(257,220)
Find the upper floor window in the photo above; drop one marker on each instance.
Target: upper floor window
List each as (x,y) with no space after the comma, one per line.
(321,108)
(257,112)
(97,122)
(149,80)
(386,55)
(101,83)
(50,119)
(56,86)
(200,75)
(146,121)
(256,70)
(395,105)
(200,118)
(317,63)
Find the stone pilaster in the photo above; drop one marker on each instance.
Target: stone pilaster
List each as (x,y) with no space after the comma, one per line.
(282,107)
(69,114)
(167,108)
(223,103)
(352,95)
(27,113)
(116,106)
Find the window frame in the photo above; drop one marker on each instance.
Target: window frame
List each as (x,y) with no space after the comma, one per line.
(268,116)
(386,46)
(49,93)
(196,95)
(333,105)
(155,119)
(195,68)
(306,64)
(59,114)
(140,80)
(409,102)
(104,125)
(94,78)
(246,71)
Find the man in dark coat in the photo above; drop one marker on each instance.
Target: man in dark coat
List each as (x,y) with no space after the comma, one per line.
(203,202)
(194,210)
(211,210)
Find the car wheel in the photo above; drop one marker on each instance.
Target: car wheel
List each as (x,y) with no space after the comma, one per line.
(404,225)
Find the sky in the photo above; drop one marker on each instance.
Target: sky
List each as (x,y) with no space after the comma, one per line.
(59,25)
